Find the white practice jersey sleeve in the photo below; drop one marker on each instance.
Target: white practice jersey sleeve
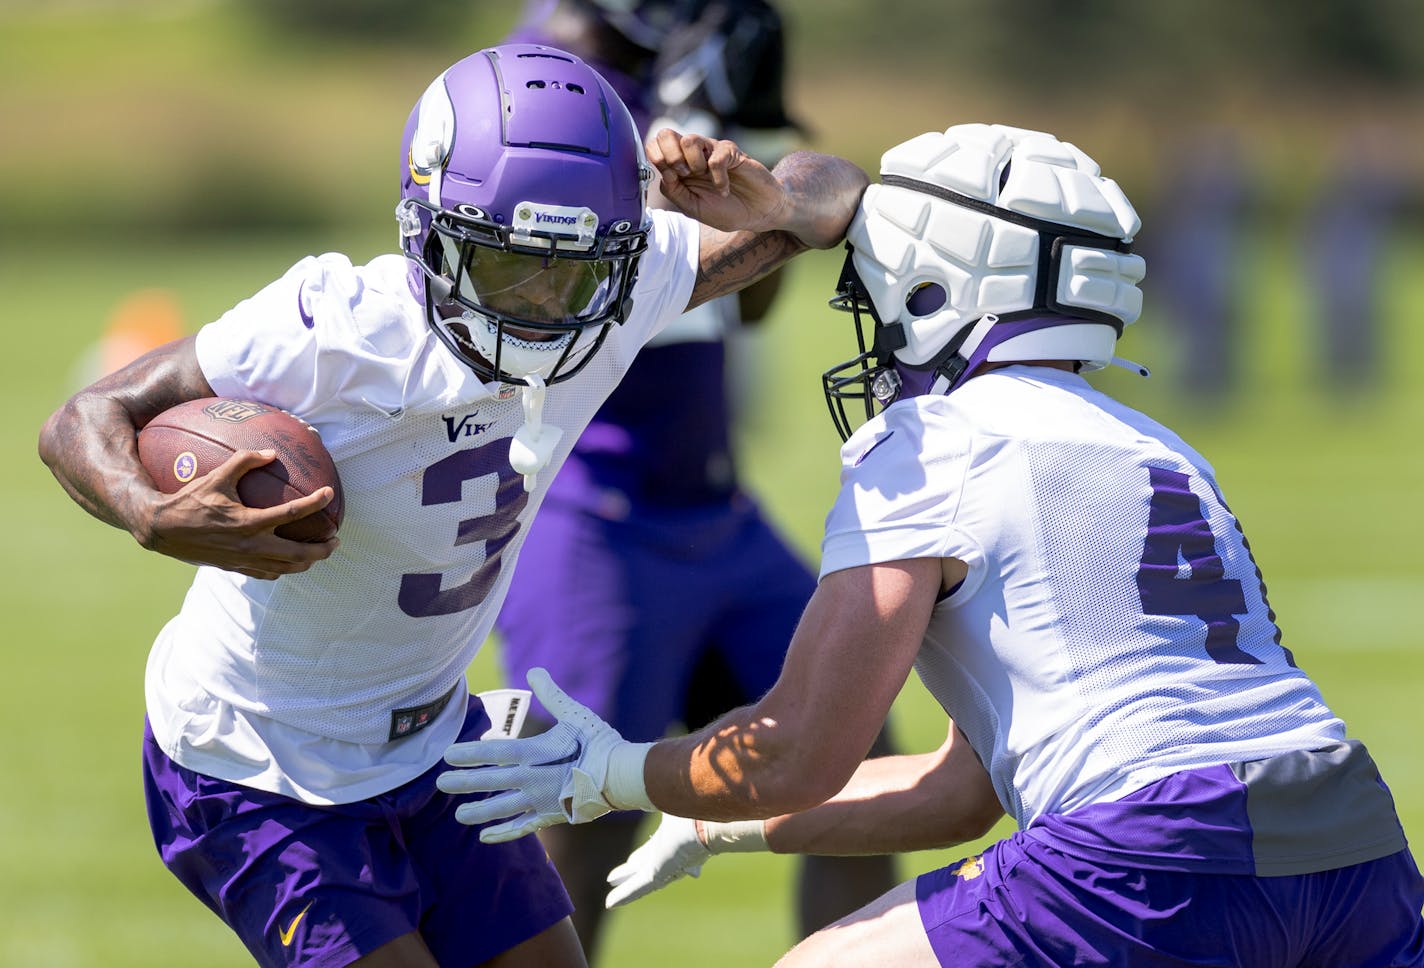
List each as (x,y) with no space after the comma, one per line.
(1113,628)
(347,680)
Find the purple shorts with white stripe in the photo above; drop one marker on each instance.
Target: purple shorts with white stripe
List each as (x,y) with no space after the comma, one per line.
(318,886)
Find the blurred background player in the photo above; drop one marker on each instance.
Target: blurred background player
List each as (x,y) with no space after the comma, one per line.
(1198,256)
(651,584)
(1345,247)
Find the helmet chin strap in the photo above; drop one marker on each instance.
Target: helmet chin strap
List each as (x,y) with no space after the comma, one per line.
(951,372)
(1130,365)
(533,444)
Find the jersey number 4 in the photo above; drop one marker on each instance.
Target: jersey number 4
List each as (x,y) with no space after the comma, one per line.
(1181,574)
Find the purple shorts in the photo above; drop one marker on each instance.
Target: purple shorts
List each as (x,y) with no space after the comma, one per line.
(1023,903)
(323,885)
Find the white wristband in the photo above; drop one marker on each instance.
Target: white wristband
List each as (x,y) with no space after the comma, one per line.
(623,787)
(736,837)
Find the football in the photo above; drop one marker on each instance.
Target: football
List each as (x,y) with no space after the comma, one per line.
(182,444)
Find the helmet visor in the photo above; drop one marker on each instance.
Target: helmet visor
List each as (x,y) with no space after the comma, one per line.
(528,286)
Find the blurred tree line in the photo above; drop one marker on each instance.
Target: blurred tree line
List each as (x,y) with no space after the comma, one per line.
(1028,42)
(175,115)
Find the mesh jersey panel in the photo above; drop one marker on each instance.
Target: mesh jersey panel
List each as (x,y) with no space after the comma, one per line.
(1074,684)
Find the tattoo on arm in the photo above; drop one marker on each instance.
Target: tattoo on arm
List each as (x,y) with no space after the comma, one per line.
(733,261)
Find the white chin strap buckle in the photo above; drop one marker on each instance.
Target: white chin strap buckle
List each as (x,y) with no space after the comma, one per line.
(533,444)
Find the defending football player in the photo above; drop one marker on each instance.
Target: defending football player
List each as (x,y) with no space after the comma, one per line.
(1066,578)
(300,701)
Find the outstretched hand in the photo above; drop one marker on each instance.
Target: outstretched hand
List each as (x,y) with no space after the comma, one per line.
(675,850)
(715,182)
(574,772)
(206,523)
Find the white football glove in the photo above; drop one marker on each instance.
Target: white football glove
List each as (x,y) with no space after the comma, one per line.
(575,772)
(679,848)
(673,851)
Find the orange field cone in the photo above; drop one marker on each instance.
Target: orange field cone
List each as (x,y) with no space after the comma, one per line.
(143,320)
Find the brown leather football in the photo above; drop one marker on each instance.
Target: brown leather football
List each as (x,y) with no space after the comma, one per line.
(182,444)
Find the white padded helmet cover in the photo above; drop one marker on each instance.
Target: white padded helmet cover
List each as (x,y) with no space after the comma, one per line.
(905,240)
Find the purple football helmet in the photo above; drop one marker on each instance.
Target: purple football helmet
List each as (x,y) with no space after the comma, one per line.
(523,188)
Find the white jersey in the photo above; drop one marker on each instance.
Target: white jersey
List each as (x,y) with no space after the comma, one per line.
(1113,628)
(299,685)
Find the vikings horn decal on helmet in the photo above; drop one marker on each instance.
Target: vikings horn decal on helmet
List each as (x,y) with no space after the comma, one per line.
(985,243)
(522,211)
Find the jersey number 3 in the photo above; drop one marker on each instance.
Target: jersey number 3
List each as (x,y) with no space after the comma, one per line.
(420,594)
(1180,572)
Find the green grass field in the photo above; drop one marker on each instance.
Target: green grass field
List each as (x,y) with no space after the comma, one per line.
(183,115)
(1327,492)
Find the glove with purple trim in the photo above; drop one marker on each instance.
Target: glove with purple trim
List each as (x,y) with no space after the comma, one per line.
(575,772)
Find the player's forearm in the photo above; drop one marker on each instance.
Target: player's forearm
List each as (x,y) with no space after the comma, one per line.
(742,767)
(821,194)
(893,804)
(89,445)
(734,261)
(801,743)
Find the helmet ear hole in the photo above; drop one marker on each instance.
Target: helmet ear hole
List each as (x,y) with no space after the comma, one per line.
(926,298)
